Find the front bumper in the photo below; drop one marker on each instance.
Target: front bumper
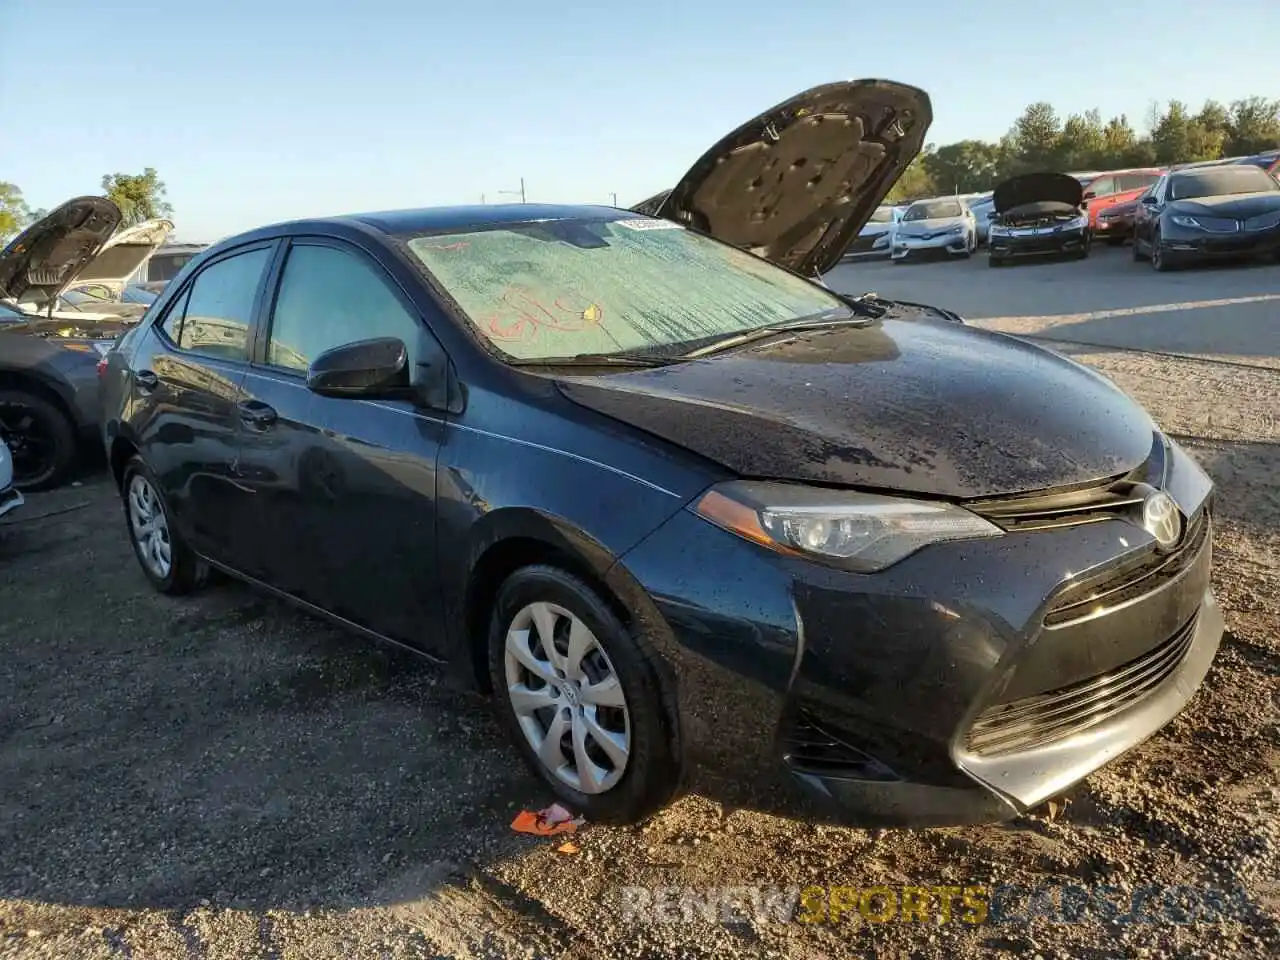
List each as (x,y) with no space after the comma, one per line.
(10,500)
(876,245)
(928,693)
(1114,228)
(1220,246)
(1008,246)
(953,243)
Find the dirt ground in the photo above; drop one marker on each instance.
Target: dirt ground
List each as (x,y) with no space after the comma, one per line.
(222,777)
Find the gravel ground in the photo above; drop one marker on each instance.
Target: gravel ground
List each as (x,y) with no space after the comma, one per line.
(224,777)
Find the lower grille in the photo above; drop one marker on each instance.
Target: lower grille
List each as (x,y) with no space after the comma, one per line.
(1034,721)
(811,747)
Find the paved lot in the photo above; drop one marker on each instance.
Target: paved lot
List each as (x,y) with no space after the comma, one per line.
(224,777)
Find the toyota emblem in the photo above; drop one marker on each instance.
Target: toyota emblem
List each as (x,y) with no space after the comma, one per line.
(1161,519)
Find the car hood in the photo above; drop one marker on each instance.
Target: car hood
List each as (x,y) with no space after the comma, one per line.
(1037,188)
(40,262)
(1239,206)
(123,255)
(796,183)
(909,227)
(917,406)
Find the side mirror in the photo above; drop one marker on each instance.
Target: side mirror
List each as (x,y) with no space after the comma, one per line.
(367,368)
(1089,195)
(1149,201)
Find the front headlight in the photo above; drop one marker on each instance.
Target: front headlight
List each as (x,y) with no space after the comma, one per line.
(864,532)
(1079,223)
(1184,221)
(996,230)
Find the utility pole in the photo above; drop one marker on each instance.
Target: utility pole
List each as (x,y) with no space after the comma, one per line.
(482,198)
(615,198)
(512,193)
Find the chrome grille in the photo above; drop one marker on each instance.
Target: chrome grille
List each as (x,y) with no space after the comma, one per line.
(1132,580)
(1043,718)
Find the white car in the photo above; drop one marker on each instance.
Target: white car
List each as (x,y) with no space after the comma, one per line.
(93,288)
(10,498)
(944,224)
(874,237)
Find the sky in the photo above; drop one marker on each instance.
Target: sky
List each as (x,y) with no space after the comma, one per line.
(254,111)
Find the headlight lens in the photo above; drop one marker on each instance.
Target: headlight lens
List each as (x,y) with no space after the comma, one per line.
(1184,221)
(996,230)
(862,531)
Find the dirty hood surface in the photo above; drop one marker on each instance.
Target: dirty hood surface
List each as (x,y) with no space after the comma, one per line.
(918,406)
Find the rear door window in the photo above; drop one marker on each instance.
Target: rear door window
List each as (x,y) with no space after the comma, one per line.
(1136,181)
(219,306)
(1102,187)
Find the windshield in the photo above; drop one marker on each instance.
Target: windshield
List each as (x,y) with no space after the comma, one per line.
(559,288)
(882,215)
(933,210)
(1222,181)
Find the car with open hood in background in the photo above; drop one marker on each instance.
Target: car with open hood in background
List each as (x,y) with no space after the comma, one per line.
(940,225)
(50,348)
(1036,215)
(1214,212)
(691,517)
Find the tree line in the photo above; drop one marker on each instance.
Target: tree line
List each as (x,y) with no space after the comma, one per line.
(140,196)
(1041,140)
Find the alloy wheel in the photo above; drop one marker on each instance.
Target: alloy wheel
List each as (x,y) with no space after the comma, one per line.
(150,527)
(567,698)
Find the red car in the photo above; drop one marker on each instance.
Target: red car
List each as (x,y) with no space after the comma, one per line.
(1118,186)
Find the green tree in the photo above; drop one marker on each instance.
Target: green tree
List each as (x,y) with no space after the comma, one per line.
(1178,138)
(1253,126)
(1082,143)
(13,211)
(1036,137)
(139,196)
(963,167)
(914,183)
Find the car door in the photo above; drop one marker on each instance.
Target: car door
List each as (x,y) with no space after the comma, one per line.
(344,489)
(186,382)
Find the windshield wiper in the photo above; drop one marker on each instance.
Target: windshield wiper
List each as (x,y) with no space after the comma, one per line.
(597,360)
(813,321)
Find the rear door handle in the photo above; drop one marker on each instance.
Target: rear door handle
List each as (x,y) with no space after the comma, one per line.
(257,414)
(146,380)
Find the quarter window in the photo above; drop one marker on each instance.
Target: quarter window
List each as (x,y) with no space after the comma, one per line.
(219,306)
(329,298)
(172,325)
(1136,181)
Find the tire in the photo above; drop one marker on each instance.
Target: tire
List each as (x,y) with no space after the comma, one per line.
(54,436)
(1136,251)
(185,572)
(1159,261)
(995,261)
(649,774)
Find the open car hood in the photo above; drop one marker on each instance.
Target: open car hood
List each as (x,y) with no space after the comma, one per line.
(1037,188)
(40,262)
(796,183)
(122,256)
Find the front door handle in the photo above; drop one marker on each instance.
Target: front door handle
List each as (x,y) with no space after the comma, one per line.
(146,380)
(255,413)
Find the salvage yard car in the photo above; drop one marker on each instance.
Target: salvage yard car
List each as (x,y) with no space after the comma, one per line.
(942,225)
(1038,214)
(49,351)
(677,505)
(1198,214)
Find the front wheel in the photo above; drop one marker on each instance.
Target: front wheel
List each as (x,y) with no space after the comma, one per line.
(40,437)
(164,556)
(1160,261)
(582,696)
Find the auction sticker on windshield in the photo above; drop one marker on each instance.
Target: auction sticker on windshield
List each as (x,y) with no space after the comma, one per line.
(645,223)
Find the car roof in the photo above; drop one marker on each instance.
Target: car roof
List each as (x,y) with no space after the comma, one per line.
(438,219)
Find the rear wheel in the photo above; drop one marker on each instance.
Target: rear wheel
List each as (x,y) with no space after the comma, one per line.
(164,556)
(581,695)
(1136,250)
(40,437)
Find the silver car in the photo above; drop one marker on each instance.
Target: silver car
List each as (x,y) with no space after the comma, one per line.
(873,238)
(982,208)
(10,498)
(944,224)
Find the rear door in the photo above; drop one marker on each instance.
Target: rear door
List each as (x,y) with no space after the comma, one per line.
(344,489)
(186,388)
